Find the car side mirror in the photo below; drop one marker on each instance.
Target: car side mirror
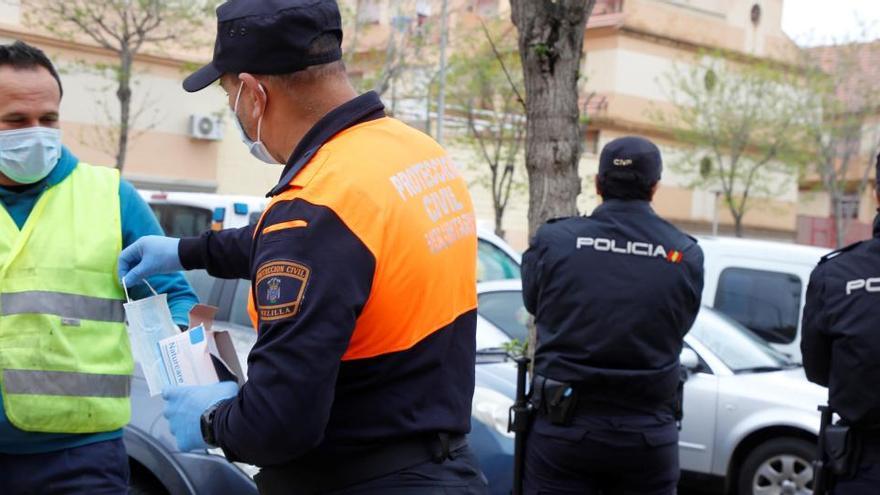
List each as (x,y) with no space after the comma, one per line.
(689,359)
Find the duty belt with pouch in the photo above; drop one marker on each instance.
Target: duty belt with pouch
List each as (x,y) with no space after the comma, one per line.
(302,478)
(557,400)
(840,451)
(843,446)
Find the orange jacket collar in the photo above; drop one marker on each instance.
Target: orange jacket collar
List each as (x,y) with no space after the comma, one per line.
(364,108)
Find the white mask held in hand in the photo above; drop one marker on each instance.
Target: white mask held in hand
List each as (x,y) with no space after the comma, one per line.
(149,321)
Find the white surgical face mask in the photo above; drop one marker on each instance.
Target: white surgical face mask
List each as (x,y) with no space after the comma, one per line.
(257,148)
(149,321)
(28,155)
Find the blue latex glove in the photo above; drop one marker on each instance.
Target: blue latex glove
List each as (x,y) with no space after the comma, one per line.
(148,256)
(184,407)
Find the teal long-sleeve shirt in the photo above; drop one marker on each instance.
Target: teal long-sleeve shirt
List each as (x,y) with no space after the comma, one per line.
(137,221)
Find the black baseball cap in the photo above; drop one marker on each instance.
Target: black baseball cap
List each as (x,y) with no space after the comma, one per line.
(269,37)
(632,153)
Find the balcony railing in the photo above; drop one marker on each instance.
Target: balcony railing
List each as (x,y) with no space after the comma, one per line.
(606,13)
(606,7)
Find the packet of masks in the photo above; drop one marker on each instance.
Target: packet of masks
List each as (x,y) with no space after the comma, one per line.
(201,355)
(169,357)
(219,344)
(187,358)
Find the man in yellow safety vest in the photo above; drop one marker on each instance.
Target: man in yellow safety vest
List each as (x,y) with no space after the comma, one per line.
(65,359)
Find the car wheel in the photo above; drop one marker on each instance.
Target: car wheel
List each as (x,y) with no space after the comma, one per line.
(782,466)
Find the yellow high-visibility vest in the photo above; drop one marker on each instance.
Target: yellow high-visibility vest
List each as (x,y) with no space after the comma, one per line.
(65,358)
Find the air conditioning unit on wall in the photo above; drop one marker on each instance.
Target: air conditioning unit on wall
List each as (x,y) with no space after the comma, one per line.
(205,127)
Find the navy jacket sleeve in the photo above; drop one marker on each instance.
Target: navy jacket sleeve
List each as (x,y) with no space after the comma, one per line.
(694,257)
(224,254)
(306,325)
(532,265)
(815,337)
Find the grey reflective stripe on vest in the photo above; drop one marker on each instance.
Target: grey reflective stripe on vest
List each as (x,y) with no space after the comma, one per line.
(66,384)
(63,305)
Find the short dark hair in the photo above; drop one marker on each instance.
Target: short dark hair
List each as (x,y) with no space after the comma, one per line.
(321,45)
(20,55)
(626,185)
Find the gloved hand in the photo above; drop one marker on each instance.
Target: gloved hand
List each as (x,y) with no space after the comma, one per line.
(184,407)
(148,256)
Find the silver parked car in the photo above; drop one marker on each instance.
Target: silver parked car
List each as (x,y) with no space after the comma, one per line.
(750,417)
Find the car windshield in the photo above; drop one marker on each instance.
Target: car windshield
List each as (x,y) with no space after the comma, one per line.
(505,310)
(181,220)
(494,264)
(735,345)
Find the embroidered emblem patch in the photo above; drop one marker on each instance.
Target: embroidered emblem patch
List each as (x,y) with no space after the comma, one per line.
(274,292)
(280,286)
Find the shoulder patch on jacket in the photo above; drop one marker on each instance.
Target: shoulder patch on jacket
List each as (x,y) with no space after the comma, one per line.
(835,254)
(279,289)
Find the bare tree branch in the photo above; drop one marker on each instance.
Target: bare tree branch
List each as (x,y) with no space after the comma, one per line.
(744,117)
(126,28)
(495,120)
(500,59)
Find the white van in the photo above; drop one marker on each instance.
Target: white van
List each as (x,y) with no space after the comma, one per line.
(184,214)
(190,214)
(761,284)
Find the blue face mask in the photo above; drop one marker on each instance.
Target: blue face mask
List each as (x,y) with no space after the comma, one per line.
(257,148)
(28,155)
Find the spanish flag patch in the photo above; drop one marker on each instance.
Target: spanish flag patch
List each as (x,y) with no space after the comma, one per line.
(674,257)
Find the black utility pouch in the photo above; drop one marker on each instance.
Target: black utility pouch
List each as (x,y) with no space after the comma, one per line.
(678,407)
(561,404)
(844,450)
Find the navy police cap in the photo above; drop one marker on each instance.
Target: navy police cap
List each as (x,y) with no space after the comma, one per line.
(632,153)
(269,37)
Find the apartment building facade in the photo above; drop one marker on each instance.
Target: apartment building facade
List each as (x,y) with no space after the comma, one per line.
(630,50)
(179,141)
(629,46)
(856,66)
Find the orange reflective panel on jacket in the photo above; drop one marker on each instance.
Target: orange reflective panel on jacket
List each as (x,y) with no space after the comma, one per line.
(398,191)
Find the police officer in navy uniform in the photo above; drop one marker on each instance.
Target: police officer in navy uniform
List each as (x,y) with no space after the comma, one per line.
(841,348)
(613,296)
(362,375)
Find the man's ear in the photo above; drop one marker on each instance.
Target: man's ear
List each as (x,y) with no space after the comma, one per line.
(654,189)
(598,187)
(254,90)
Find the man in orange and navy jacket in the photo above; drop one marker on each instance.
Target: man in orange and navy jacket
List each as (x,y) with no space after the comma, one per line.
(363,277)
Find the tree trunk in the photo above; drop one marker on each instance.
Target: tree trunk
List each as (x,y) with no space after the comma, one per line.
(737,213)
(551,41)
(499,220)
(840,223)
(123,93)
(503,198)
